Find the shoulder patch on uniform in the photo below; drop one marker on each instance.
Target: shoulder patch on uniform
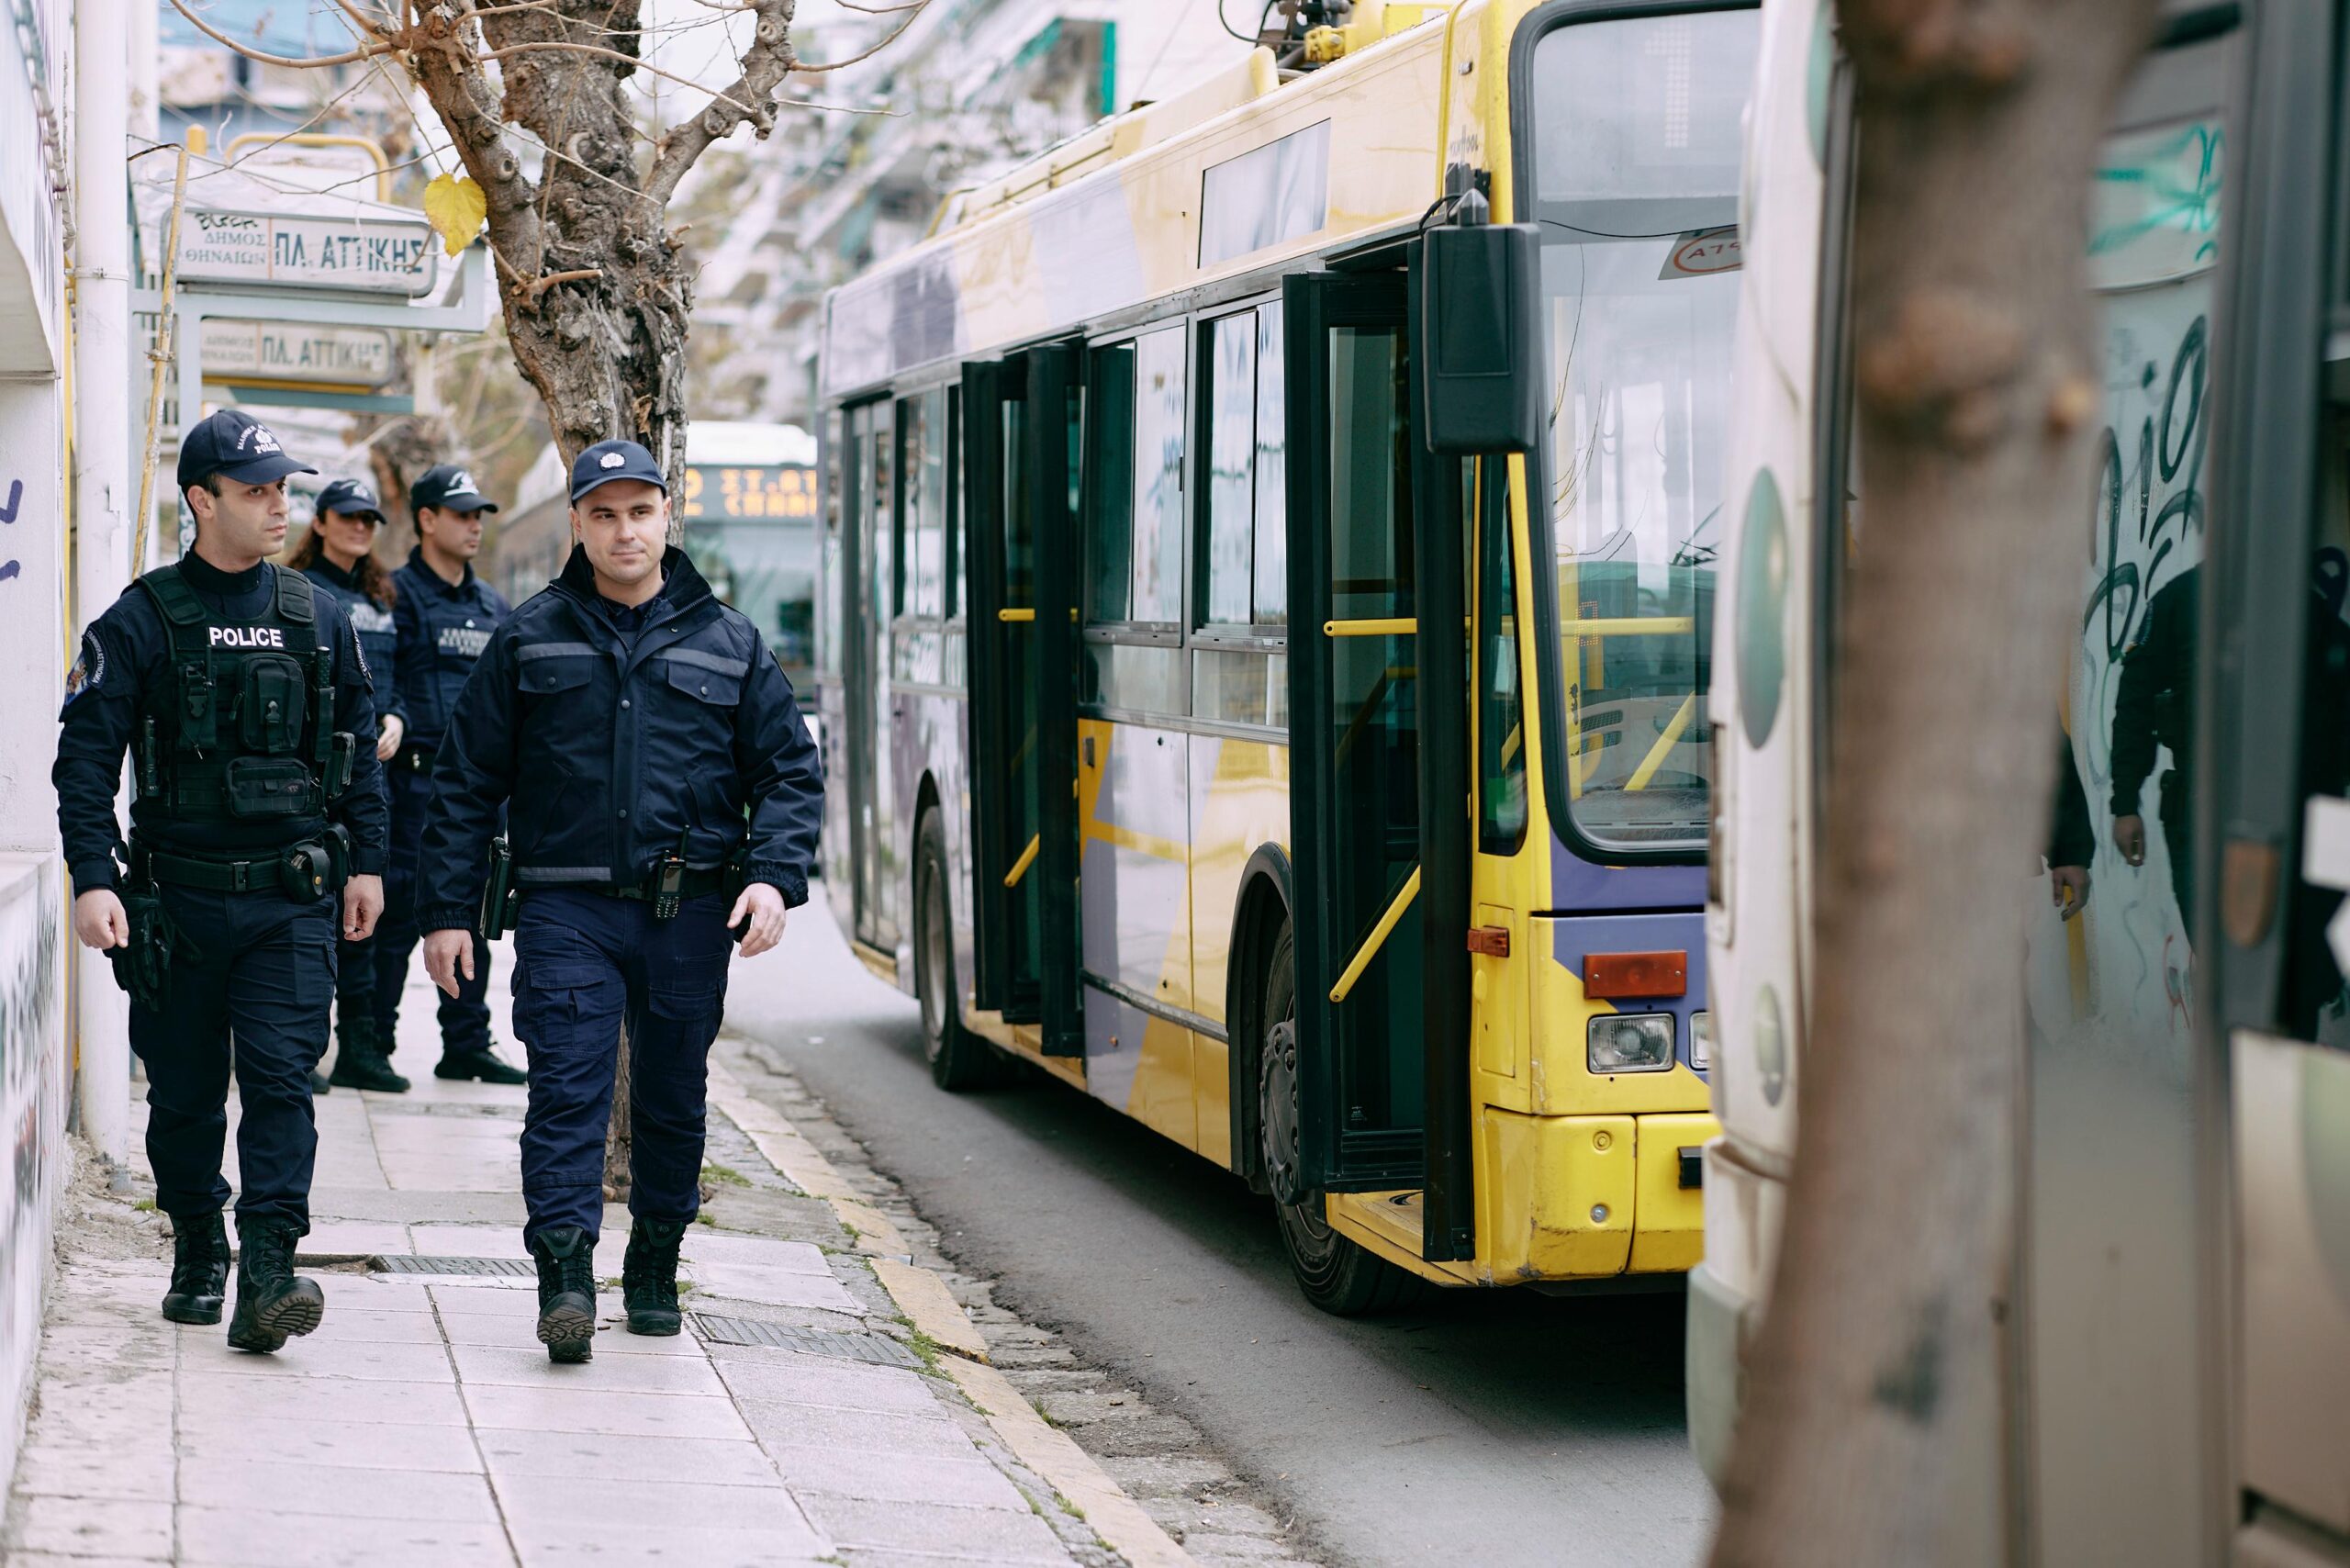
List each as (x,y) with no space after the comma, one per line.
(89,671)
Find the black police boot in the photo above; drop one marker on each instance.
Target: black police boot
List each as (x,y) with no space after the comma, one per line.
(359,1059)
(321,1084)
(274,1302)
(566,1261)
(649,1276)
(199,1268)
(479,1061)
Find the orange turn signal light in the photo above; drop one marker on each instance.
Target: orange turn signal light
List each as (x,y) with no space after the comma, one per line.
(1616,976)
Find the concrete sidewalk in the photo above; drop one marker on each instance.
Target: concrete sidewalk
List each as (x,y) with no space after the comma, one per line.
(803,1418)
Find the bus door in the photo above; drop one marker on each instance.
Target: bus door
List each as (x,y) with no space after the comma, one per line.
(1007,914)
(1021,414)
(870,602)
(1379,912)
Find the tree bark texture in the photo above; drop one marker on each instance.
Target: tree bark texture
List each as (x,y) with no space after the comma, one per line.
(1872,1423)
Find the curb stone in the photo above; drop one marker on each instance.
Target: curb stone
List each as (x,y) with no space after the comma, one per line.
(927,1303)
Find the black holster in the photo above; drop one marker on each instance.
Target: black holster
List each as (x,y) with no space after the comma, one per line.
(143,966)
(500,897)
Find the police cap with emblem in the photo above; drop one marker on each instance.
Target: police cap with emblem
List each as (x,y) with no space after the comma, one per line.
(350,495)
(238,447)
(609,460)
(450,489)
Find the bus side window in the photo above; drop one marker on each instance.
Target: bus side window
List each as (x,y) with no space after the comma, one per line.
(924,517)
(1242,548)
(1501,719)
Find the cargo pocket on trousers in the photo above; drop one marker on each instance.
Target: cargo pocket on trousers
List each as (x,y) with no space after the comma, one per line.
(550,1000)
(315,967)
(690,996)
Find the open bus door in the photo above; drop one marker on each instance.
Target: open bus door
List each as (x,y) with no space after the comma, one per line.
(1021,413)
(1007,910)
(1377,1060)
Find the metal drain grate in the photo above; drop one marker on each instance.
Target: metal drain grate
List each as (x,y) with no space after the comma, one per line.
(878,1349)
(404,1264)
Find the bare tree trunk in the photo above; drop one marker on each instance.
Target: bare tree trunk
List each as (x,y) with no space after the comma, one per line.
(1873,1387)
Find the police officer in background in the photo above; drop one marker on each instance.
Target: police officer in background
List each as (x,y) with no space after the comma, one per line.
(443,616)
(241,694)
(665,799)
(337,554)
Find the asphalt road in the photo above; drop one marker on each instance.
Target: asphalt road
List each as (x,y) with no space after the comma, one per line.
(1496,1427)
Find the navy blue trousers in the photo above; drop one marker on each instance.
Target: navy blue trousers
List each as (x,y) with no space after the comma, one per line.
(464,1017)
(585,963)
(252,985)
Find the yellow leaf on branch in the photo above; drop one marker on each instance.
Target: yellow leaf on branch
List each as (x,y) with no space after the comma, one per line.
(455,207)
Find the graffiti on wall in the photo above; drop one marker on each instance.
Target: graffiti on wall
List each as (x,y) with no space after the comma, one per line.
(33,1114)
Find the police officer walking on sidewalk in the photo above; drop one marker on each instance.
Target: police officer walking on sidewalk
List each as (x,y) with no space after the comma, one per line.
(337,554)
(665,798)
(444,617)
(241,694)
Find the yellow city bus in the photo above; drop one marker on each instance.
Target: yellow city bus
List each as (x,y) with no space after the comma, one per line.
(1147,474)
(2175,1312)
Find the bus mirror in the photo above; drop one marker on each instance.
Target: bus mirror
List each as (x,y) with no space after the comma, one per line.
(1481,348)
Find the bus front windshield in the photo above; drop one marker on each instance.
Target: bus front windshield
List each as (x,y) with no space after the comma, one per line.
(1636,142)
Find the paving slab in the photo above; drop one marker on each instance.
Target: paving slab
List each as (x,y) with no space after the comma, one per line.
(424,1424)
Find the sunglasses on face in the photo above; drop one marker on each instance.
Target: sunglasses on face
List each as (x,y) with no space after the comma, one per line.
(369,519)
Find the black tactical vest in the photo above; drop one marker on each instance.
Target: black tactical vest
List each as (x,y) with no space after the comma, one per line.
(243,731)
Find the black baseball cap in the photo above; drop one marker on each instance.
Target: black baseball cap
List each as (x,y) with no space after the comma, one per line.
(609,460)
(352,495)
(237,446)
(450,489)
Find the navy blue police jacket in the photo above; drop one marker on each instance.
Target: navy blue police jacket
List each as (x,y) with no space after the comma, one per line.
(124,672)
(441,628)
(371,620)
(610,748)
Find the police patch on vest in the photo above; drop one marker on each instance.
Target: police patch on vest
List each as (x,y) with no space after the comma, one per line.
(467,641)
(245,636)
(89,671)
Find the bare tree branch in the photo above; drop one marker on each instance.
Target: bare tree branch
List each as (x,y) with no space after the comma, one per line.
(916,8)
(215,35)
(765,65)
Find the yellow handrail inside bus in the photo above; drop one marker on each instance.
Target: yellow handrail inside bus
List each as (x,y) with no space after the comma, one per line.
(1008,616)
(1664,742)
(1631,626)
(1378,937)
(1020,866)
(1403,628)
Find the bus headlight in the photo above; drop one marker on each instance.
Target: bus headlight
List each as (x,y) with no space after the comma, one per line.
(1701,1040)
(1630,1042)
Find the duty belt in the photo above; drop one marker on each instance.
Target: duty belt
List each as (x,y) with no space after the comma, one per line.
(693,884)
(297,871)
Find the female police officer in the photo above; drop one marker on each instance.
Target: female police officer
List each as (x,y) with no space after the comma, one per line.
(661,790)
(242,694)
(337,554)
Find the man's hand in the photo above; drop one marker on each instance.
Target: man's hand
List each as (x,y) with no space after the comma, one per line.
(99,920)
(2068,886)
(448,953)
(2130,838)
(762,906)
(388,743)
(362,905)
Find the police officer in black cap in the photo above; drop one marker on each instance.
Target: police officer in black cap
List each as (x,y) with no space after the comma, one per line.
(444,616)
(337,554)
(665,798)
(256,840)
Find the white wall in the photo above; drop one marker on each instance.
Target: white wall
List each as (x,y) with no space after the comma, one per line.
(33,636)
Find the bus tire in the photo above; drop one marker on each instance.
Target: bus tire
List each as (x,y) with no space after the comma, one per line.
(958,1059)
(1337,1275)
